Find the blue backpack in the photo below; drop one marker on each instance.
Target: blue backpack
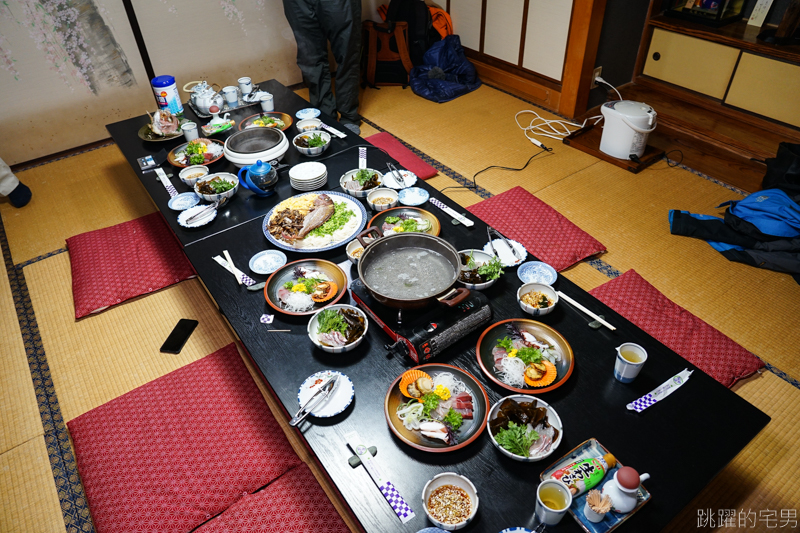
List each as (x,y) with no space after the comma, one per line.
(771,211)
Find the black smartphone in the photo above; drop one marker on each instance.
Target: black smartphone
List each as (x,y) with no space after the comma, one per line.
(180,334)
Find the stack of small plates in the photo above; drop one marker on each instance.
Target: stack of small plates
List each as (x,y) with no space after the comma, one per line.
(308,176)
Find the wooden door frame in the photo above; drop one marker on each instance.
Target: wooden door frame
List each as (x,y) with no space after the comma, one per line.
(584,36)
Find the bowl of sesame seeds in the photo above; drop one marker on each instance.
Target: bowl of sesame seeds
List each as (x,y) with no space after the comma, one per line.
(450,501)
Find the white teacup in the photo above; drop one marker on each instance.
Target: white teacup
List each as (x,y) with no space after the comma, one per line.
(229,93)
(630,360)
(189,130)
(245,85)
(553,498)
(267,103)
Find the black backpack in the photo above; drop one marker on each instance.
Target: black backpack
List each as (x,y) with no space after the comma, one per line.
(421,33)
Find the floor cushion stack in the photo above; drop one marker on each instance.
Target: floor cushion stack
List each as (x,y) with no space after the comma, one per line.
(701,344)
(114,264)
(171,454)
(543,231)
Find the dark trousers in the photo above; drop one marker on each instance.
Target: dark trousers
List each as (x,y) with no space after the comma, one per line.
(314,23)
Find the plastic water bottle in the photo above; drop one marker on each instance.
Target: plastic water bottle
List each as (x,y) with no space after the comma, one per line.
(167,94)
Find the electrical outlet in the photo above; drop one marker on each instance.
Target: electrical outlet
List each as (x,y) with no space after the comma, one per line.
(595,73)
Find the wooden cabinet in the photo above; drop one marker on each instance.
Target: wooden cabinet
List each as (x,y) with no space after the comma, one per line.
(692,63)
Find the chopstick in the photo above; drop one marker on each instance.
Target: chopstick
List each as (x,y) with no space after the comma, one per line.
(582,308)
(230,262)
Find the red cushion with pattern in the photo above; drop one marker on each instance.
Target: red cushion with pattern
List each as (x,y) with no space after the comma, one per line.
(171,454)
(117,263)
(704,346)
(543,231)
(292,503)
(407,159)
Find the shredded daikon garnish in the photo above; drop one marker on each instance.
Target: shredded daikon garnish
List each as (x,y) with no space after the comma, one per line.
(447,379)
(513,371)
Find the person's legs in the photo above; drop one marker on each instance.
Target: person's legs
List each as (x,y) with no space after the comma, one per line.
(341,22)
(18,194)
(312,51)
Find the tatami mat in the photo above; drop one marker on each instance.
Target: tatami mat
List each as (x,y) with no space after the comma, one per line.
(764,475)
(30,501)
(471,133)
(100,357)
(71,196)
(19,412)
(688,271)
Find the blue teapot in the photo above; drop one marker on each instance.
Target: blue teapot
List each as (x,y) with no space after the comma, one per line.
(260,178)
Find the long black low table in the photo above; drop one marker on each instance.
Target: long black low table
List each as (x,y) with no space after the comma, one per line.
(682,443)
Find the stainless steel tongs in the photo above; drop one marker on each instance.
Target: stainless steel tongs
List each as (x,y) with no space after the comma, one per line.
(397,176)
(489,231)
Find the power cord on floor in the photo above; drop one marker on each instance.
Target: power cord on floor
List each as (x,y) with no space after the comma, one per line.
(666,156)
(554,129)
(474,185)
(598,79)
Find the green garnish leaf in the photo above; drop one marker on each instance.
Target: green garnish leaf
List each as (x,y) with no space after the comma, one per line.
(430,402)
(316,140)
(363,176)
(288,285)
(454,419)
(196,159)
(491,270)
(517,439)
(506,343)
(409,224)
(392,220)
(330,320)
(471,261)
(530,355)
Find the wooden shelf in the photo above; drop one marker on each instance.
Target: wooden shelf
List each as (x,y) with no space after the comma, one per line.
(737,35)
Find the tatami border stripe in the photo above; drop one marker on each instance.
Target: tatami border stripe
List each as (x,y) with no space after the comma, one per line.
(67,156)
(40,258)
(603,267)
(71,496)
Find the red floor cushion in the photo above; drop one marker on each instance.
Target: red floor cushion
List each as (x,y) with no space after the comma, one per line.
(543,231)
(117,263)
(407,159)
(704,346)
(171,454)
(292,503)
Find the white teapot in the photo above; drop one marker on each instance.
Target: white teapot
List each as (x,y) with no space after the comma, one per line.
(203,95)
(623,489)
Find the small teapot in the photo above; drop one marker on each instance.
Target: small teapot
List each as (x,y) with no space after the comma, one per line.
(203,95)
(214,110)
(260,178)
(623,489)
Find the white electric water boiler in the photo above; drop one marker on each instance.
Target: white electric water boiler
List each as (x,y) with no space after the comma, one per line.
(626,127)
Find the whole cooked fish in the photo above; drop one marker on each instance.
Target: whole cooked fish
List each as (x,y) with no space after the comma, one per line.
(319,214)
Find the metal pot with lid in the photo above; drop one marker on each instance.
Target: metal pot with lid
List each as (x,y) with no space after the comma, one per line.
(410,270)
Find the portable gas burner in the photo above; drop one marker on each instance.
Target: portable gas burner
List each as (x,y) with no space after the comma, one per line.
(423,334)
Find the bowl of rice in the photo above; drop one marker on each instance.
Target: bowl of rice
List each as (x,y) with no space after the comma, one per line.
(537,299)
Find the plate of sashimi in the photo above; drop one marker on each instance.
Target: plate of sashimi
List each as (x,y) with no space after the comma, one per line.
(436,408)
(525,356)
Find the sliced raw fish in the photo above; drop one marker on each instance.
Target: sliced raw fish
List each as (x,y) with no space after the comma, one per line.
(434,430)
(283,294)
(333,338)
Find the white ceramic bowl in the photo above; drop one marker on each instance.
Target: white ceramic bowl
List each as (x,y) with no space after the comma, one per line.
(317,150)
(541,287)
(480,257)
(382,192)
(308,124)
(552,418)
(188,171)
(451,478)
(351,248)
(347,176)
(227,176)
(313,324)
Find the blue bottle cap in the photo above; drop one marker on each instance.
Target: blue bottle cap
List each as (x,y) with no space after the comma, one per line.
(162,81)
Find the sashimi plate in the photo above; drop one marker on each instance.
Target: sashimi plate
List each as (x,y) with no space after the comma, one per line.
(543,333)
(337,197)
(469,431)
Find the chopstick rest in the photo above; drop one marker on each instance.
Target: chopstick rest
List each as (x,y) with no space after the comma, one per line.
(660,392)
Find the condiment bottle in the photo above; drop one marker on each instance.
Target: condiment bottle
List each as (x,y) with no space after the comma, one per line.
(581,476)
